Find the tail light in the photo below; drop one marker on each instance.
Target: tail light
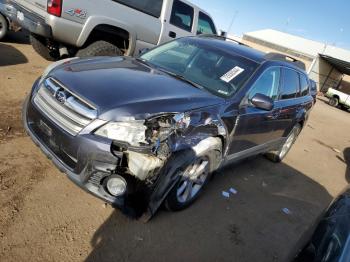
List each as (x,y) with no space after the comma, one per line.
(54,7)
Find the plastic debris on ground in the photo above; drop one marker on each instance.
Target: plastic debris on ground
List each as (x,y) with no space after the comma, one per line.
(286,211)
(233,191)
(225,194)
(336,150)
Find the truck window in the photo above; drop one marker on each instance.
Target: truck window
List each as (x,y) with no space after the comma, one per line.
(304,85)
(182,15)
(290,85)
(151,7)
(205,25)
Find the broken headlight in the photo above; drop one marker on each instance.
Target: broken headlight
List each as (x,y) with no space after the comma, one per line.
(133,132)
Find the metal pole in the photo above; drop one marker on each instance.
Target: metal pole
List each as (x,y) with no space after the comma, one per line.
(324,83)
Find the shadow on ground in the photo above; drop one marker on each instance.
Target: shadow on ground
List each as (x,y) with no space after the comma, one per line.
(21,37)
(248,226)
(9,55)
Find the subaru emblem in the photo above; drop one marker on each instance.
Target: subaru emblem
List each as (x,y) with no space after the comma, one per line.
(61,97)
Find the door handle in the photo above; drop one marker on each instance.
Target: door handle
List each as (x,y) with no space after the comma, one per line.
(273,115)
(172,34)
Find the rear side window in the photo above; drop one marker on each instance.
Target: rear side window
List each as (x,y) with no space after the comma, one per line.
(151,7)
(304,85)
(205,25)
(290,84)
(182,15)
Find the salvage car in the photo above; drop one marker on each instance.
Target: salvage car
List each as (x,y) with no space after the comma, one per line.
(139,132)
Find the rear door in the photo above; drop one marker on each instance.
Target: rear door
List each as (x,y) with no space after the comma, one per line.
(255,127)
(288,101)
(179,22)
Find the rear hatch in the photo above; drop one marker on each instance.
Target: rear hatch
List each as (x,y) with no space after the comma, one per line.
(36,6)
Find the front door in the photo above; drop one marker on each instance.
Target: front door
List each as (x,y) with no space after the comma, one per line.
(255,127)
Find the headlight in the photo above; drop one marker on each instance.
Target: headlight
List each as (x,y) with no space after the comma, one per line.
(133,132)
(116,185)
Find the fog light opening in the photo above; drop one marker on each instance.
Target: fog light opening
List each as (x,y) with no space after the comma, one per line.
(116,185)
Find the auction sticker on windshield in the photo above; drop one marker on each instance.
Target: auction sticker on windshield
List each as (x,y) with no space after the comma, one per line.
(230,75)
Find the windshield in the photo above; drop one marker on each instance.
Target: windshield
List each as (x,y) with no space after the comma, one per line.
(215,70)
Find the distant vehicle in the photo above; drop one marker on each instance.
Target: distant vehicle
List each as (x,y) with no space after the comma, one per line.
(6,23)
(338,98)
(137,132)
(313,89)
(61,28)
(330,241)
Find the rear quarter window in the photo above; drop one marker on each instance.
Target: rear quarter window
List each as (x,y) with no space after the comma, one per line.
(304,85)
(182,15)
(151,7)
(290,84)
(205,25)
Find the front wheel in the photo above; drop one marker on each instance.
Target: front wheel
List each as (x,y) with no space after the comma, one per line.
(280,154)
(333,101)
(3,26)
(194,177)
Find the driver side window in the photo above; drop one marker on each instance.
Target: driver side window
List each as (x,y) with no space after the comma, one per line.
(267,84)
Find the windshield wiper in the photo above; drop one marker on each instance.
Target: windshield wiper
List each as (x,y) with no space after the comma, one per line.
(182,78)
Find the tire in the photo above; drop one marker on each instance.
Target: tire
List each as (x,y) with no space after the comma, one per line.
(3,27)
(280,154)
(189,188)
(100,48)
(333,101)
(39,45)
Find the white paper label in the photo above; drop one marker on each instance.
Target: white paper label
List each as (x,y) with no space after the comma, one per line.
(234,72)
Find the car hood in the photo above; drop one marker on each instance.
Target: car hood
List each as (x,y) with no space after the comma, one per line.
(123,87)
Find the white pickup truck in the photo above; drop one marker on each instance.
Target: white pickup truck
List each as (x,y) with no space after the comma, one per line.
(338,98)
(62,28)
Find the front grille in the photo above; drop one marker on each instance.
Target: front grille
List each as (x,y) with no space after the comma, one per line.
(64,108)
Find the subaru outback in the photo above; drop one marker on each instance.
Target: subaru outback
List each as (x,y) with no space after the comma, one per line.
(140,132)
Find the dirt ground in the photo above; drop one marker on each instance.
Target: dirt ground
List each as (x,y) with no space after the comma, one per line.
(45,217)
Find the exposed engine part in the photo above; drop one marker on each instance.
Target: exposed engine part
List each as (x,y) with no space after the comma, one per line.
(143,166)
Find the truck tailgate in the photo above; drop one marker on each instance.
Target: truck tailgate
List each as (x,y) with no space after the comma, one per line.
(37,6)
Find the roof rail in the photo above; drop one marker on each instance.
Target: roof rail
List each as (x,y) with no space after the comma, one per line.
(285,58)
(222,38)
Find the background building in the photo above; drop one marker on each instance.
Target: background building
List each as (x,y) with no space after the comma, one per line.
(327,65)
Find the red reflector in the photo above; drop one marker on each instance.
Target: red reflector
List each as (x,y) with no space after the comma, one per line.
(54,7)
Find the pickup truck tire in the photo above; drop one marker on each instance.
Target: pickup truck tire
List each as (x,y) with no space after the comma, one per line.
(99,48)
(333,101)
(39,45)
(280,154)
(3,26)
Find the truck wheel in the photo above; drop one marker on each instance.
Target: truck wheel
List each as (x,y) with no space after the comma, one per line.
(39,45)
(3,26)
(99,48)
(280,154)
(333,101)
(193,179)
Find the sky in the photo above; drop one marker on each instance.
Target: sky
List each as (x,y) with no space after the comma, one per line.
(323,21)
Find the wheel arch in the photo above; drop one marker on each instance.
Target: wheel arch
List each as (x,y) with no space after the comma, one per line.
(96,28)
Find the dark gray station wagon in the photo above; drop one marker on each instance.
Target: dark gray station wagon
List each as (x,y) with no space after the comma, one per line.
(141,132)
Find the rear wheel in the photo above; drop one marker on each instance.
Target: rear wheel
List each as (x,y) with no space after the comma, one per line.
(100,48)
(39,44)
(280,154)
(3,27)
(333,101)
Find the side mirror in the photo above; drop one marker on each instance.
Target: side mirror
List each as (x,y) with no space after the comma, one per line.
(262,102)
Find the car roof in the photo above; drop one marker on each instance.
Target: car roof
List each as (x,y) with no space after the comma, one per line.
(239,48)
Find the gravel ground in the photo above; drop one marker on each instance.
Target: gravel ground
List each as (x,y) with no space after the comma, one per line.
(44,217)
